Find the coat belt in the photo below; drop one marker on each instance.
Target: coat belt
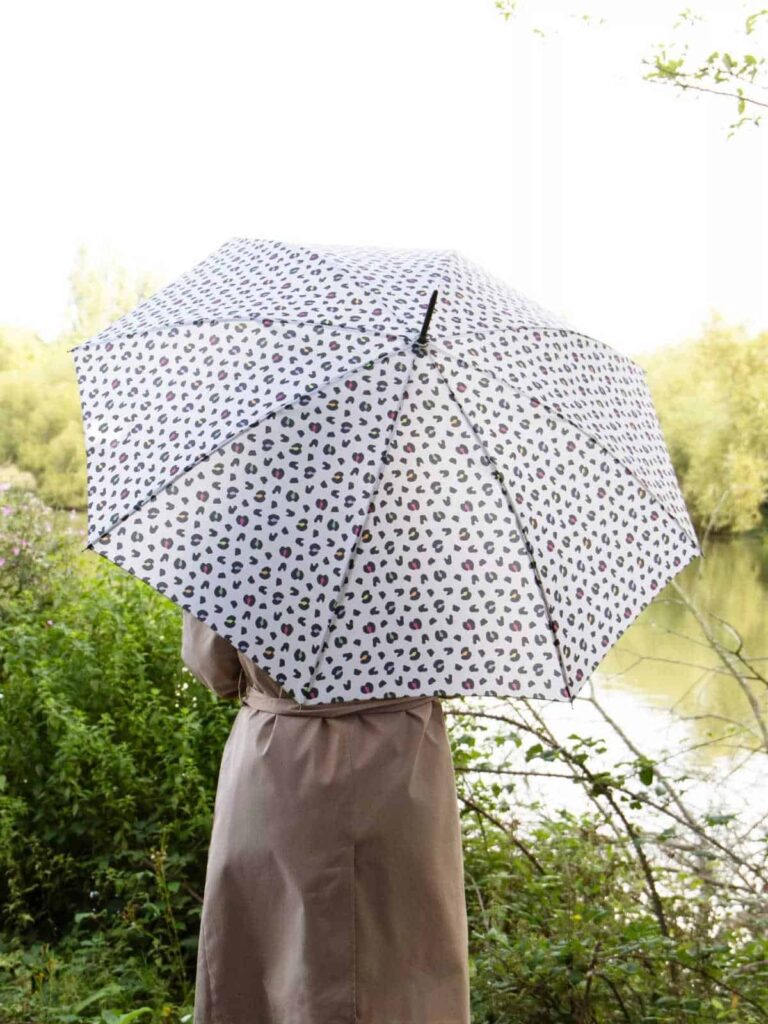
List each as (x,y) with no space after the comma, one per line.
(285,706)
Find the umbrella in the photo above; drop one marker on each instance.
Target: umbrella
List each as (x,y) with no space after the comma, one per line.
(380,472)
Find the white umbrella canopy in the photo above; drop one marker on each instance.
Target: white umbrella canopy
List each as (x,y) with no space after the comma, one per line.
(380,472)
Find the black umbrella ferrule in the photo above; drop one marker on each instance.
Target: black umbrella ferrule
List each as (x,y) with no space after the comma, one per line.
(420,346)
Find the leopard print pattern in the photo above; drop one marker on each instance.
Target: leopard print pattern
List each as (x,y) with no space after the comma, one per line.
(363,516)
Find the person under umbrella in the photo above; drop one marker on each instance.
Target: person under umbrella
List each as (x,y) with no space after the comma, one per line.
(372,479)
(334,888)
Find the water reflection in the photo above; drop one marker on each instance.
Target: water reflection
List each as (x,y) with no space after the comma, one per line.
(664,688)
(664,659)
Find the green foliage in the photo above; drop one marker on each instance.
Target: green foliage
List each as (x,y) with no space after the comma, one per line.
(711,395)
(570,936)
(506,7)
(109,753)
(685,63)
(100,293)
(84,979)
(41,426)
(595,916)
(31,537)
(739,77)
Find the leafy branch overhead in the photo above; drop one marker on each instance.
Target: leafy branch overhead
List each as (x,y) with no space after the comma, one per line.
(737,71)
(740,77)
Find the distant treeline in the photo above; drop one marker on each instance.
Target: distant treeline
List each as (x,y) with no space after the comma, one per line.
(711,395)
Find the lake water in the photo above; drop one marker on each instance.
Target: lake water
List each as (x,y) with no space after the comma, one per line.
(663,661)
(663,664)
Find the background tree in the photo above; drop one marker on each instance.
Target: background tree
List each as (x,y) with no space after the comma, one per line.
(711,395)
(41,427)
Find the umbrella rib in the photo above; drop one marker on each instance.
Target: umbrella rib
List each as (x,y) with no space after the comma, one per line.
(337,601)
(189,278)
(228,439)
(627,360)
(400,330)
(146,393)
(500,476)
(584,433)
(501,332)
(210,322)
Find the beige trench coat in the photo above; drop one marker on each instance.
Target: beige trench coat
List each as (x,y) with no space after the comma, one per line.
(334,891)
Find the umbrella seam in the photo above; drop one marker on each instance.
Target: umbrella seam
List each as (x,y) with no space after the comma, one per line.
(149,392)
(208,322)
(330,251)
(593,437)
(495,332)
(524,532)
(142,330)
(345,578)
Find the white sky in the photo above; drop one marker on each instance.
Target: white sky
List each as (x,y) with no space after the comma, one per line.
(155,131)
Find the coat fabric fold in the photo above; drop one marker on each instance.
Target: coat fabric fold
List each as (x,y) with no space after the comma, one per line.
(334,890)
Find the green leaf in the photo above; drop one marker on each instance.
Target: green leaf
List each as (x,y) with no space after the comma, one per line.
(109,990)
(128,1018)
(719,819)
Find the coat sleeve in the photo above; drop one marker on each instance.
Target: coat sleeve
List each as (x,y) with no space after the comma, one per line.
(210,657)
